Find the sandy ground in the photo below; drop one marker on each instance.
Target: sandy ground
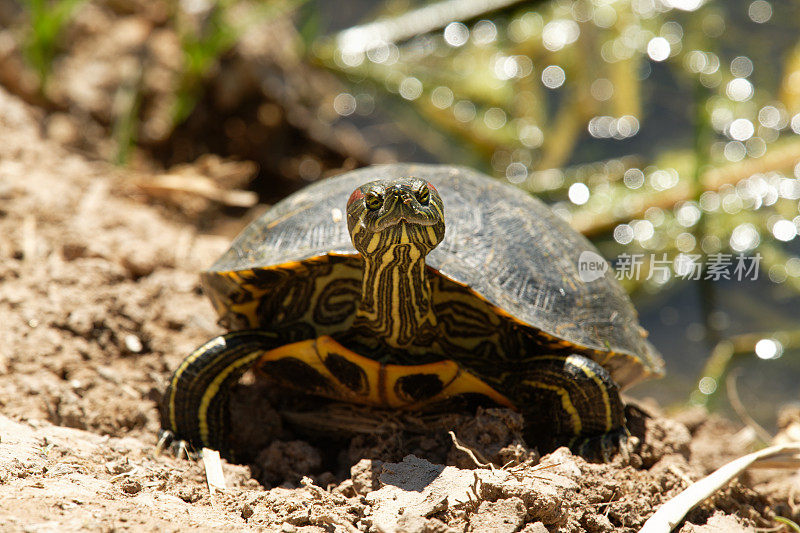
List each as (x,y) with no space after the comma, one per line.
(99,301)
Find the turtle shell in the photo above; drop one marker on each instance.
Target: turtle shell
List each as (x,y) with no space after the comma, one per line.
(506,246)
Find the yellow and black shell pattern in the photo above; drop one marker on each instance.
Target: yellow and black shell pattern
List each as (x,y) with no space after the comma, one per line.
(295,271)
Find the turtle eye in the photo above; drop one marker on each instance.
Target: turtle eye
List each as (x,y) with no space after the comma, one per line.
(423,194)
(373,200)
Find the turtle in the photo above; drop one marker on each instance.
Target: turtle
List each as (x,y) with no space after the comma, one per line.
(410,286)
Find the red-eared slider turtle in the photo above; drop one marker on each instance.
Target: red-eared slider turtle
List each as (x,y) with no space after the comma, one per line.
(352,289)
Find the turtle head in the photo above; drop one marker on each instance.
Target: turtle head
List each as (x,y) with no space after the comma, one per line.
(391,212)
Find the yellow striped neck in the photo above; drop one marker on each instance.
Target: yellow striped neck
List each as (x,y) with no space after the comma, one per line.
(396,304)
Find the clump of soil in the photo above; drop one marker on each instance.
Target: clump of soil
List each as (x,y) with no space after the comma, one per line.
(100,301)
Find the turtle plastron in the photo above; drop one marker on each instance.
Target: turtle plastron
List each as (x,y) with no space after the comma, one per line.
(343,374)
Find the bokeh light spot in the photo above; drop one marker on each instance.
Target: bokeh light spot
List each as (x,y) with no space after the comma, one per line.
(344,104)
(559,33)
(741,67)
(707,385)
(760,11)
(456,34)
(685,242)
(684,5)
(739,90)
(795,124)
(777,273)
(768,349)
(553,77)
(464,111)
(623,234)
(484,32)
(410,88)
(658,49)
(633,178)
(784,230)
(769,116)
(744,237)
(688,214)
(531,136)
(643,230)
(516,172)
(494,118)
(734,151)
(741,129)
(578,193)
(793,267)
(442,97)
(605,16)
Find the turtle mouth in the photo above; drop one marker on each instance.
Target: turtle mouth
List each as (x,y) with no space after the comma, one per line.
(403,226)
(409,219)
(404,209)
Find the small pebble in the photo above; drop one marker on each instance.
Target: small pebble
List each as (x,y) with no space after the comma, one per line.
(247,511)
(133,343)
(131,486)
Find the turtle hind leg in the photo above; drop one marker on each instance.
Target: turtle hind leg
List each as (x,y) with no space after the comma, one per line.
(194,408)
(568,399)
(602,447)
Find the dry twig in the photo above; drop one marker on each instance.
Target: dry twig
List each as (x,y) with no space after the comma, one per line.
(483,463)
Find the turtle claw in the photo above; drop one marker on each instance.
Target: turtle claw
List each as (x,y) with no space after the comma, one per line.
(178,448)
(164,439)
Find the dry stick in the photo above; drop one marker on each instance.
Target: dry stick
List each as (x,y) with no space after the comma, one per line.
(607,504)
(671,513)
(472,454)
(489,465)
(738,406)
(360,39)
(775,529)
(197,185)
(121,475)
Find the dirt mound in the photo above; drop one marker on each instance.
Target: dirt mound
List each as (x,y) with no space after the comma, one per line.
(99,299)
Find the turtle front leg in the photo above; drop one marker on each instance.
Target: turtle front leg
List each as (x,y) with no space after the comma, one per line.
(571,400)
(194,409)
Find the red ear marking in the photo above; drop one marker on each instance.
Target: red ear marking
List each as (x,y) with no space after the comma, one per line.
(356,196)
(430,185)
